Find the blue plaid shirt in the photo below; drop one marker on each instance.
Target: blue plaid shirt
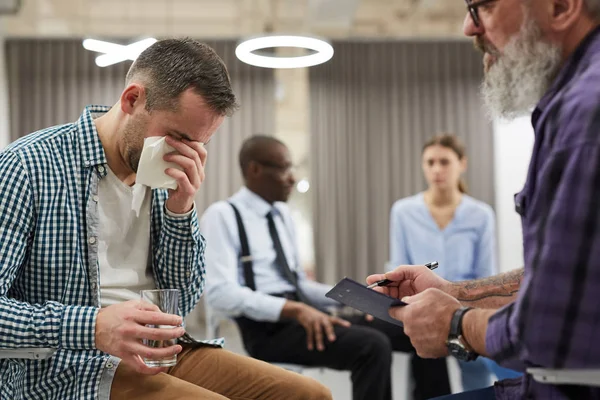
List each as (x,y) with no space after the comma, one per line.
(49,280)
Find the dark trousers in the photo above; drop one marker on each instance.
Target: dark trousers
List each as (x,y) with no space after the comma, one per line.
(364,349)
(481,394)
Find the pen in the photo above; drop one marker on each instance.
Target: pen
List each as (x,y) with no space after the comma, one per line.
(432,265)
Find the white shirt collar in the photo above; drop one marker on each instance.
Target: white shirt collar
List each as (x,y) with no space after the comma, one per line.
(256,203)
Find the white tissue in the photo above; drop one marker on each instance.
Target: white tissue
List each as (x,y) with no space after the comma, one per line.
(152,166)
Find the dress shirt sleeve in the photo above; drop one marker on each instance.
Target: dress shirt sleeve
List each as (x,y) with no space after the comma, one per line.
(551,324)
(315,291)
(398,245)
(223,291)
(485,260)
(47,325)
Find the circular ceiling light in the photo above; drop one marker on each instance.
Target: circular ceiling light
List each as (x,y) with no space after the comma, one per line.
(247,51)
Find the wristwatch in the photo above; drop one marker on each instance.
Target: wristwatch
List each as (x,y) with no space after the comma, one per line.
(457,344)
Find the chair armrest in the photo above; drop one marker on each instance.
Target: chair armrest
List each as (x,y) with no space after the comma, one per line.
(586,377)
(33,353)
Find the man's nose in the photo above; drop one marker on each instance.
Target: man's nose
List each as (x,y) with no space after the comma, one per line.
(469,27)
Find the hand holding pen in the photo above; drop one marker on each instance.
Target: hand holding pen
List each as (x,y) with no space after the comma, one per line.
(408,280)
(384,282)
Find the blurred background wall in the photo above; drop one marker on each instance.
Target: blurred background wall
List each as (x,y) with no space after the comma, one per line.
(372,109)
(402,72)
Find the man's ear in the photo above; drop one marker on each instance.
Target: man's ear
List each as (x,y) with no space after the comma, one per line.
(134,96)
(564,14)
(253,170)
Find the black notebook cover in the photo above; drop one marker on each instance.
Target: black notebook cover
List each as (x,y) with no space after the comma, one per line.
(355,295)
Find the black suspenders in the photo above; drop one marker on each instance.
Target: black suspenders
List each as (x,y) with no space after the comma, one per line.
(245,256)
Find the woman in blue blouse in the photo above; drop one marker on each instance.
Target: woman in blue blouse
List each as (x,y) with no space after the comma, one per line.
(444,224)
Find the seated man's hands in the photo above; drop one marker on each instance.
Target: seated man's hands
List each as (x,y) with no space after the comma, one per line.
(317,325)
(408,280)
(120,329)
(426,321)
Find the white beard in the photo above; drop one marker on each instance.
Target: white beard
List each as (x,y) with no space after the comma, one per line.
(522,74)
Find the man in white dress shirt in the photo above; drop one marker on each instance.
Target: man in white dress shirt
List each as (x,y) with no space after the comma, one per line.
(254,275)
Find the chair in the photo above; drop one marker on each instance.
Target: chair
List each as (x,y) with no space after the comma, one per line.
(586,377)
(213,322)
(30,353)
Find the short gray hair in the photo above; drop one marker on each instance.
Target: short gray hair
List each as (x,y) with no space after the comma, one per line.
(593,7)
(171,66)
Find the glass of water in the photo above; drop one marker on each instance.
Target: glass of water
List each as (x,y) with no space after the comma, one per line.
(167,301)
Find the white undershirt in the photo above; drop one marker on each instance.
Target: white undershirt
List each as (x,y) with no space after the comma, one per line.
(124,240)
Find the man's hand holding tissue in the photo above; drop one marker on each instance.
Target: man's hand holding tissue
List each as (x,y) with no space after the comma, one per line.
(191,157)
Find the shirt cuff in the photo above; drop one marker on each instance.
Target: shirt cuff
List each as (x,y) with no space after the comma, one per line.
(495,339)
(78,328)
(174,215)
(182,226)
(264,308)
(276,308)
(498,342)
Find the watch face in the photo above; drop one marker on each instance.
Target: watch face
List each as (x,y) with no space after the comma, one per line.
(457,349)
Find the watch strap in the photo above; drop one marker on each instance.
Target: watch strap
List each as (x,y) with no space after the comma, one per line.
(456,323)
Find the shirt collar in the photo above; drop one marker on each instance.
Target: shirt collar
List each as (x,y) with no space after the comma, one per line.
(568,71)
(92,152)
(256,203)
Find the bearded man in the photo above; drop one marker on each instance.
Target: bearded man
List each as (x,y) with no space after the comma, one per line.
(542,55)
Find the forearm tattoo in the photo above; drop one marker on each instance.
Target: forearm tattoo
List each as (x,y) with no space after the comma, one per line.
(503,285)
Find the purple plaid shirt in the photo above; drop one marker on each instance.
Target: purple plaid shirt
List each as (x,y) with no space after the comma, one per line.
(555,322)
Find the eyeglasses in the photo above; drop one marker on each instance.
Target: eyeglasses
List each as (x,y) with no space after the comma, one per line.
(473,6)
(283,169)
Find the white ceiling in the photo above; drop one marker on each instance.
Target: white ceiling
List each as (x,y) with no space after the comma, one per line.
(238,18)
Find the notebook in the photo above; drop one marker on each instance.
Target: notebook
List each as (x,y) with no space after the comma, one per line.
(358,296)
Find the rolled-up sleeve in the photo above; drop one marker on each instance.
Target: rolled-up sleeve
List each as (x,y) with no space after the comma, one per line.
(555,320)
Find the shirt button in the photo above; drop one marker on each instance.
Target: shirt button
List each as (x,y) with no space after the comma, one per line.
(101,169)
(94,286)
(95,198)
(188,274)
(92,240)
(109,365)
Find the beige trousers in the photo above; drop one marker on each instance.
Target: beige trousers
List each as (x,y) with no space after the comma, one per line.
(213,373)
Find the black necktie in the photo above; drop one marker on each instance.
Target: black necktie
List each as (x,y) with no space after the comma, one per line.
(281,261)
